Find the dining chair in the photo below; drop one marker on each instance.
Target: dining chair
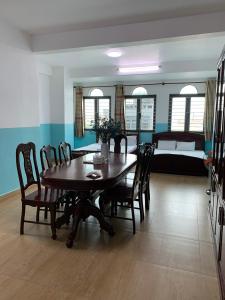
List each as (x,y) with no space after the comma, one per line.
(145,173)
(48,157)
(29,178)
(118,139)
(126,192)
(48,160)
(65,152)
(145,176)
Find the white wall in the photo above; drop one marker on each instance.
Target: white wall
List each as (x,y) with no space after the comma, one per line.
(19,101)
(44,78)
(18,88)
(68,98)
(57,95)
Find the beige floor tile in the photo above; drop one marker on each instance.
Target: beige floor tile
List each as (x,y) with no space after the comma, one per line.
(173,225)
(170,257)
(153,282)
(17,289)
(207,259)
(181,254)
(204,232)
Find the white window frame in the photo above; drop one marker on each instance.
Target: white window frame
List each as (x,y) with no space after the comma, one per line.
(187,110)
(138,120)
(96,107)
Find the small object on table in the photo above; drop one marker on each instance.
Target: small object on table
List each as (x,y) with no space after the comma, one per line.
(93,175)
(98,159)
(88,162)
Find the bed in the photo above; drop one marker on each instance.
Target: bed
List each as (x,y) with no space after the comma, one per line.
(180,162)
(132,141)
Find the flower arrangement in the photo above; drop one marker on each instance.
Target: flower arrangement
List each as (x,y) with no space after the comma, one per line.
(106,128)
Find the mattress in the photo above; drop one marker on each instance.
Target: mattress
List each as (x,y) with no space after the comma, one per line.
(97,147)
(196,153)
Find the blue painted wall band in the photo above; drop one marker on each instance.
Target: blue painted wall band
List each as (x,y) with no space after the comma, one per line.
(46,134)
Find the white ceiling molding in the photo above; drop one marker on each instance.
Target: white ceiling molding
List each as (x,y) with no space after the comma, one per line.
(115,35)
(168,67)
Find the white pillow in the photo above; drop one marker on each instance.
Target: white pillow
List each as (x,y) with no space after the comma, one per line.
(132,140)
(185,146)
(166,145)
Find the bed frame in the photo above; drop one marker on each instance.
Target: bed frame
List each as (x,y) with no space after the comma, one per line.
(179,164)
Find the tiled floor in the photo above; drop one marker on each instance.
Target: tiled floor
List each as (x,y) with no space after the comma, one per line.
(170,257)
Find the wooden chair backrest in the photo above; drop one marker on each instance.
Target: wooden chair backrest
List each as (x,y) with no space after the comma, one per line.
(48,157)
(117,143)
(148,155)
(138,172)
(30,167)
(65,153)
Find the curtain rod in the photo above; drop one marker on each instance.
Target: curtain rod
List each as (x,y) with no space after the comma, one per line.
(144,84)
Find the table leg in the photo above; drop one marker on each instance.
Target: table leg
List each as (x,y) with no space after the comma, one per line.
(82,210)
(65,218)
(76,221)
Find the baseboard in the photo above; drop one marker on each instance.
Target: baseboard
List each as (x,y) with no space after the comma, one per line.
(10,194)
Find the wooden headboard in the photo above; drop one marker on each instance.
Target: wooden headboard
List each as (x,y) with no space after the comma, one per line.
(198,138)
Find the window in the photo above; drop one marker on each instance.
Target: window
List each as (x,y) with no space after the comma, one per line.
(140,111)
(96,106)
(186,110)
(189,89)
(139,91)
(96,93)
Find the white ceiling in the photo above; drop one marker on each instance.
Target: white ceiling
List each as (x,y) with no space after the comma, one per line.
(52,25)
(183,58)
(41,16)
(185,49)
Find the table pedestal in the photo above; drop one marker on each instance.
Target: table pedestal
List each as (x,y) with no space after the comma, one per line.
(81,210)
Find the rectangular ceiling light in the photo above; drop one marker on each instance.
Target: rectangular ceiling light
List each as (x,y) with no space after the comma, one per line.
(135,70)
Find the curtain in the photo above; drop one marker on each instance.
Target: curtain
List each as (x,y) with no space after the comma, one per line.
(209,108)
(79,123)
(119,108)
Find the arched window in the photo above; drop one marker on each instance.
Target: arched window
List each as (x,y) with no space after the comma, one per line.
(139,91)
(96,93)
(186,110)
(189,89)
(96,106)
(140,110)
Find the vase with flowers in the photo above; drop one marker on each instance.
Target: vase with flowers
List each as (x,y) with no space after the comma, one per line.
(106,129)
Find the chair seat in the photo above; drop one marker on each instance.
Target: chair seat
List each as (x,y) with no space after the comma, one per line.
(122,192)
(44,198)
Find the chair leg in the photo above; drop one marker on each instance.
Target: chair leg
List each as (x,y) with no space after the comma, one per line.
(112,208)
(133,217)
(53,217)
(37,214)
(46,213)
(22,218)
(115,206)
(140,200)
(101,205)
(147,197)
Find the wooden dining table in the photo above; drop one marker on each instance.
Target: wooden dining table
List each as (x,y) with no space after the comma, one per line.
(74,176)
